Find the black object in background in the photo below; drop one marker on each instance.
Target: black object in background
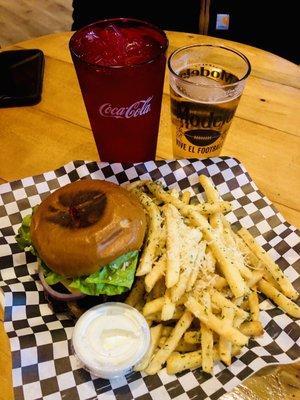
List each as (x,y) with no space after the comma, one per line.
(21,77)
(167,15)
(268,25)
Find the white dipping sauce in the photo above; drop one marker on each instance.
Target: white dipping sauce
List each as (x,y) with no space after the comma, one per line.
(109,339)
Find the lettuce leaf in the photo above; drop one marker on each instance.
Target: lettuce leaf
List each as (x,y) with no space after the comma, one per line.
(114,278)
(23,237)
(52,278)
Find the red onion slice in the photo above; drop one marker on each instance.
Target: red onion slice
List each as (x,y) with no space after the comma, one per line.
(57,295)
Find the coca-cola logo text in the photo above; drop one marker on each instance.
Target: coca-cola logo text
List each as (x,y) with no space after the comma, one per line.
(137,109)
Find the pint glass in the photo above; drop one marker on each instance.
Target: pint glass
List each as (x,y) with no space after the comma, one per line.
(120,65)
(206,83)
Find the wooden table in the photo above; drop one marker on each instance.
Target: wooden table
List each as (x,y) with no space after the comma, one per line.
(264,135)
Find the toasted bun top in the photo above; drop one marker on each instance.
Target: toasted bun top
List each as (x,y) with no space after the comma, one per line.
(85,225)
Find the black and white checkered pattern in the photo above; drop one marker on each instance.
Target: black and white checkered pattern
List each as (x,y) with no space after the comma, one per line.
(43,364)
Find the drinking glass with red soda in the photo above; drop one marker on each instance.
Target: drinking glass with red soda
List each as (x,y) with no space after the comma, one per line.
(120,66)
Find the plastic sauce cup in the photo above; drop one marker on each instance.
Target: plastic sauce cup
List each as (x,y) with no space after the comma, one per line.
(109,339)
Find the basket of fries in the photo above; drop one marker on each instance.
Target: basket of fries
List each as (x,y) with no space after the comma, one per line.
(217,282)
(199,281)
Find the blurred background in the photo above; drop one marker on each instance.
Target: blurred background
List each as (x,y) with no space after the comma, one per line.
(26,19)
(272,27)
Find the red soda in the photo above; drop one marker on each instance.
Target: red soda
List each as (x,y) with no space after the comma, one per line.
(120,65)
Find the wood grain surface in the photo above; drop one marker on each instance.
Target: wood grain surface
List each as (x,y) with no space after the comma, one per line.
(24,19)
(264,135)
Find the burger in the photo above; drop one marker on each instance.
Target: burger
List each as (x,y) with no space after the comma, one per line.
(87,236)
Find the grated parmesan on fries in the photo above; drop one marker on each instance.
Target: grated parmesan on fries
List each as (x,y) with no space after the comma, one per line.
(198,281)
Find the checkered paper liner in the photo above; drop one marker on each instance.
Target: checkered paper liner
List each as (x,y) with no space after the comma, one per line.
(43,364)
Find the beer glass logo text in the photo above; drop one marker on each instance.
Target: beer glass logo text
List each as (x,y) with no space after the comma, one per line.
(137,109)
(192,118)
(217,74)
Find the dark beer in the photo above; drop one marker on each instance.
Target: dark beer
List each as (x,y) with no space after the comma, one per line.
(204,99)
